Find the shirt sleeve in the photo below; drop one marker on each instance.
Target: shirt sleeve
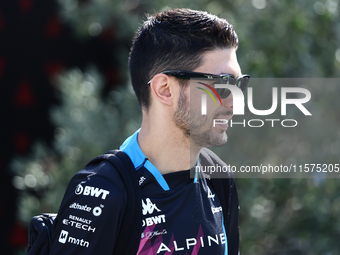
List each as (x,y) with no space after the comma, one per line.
(89,218)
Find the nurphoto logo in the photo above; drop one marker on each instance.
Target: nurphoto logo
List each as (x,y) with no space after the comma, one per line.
(239,104)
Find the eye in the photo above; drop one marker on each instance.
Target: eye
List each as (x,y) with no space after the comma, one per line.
(223,93)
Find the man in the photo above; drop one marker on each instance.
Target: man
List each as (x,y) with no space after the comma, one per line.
(175,56)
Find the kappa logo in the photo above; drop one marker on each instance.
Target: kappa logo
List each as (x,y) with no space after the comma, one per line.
(149,207)
(91,191)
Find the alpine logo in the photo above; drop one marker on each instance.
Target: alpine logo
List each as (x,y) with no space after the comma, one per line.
(149,207)
(190,243)
(210,194)
(91,191)
(141,180)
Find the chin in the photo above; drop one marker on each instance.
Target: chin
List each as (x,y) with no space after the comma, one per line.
(215,137)
(217,140)
(219,132)
(222,141)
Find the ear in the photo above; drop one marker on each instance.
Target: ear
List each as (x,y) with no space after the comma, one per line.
(161,88)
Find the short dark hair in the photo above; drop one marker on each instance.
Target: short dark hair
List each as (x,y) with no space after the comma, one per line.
(175,40)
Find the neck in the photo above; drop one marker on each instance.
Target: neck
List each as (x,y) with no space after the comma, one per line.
(166,147)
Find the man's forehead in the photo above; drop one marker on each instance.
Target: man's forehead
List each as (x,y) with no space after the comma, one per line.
(220,61)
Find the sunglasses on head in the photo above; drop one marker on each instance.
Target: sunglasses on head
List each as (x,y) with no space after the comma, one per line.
(241,81)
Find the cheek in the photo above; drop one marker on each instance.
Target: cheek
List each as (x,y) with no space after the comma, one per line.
(211,107)
(197,108)
(194,99)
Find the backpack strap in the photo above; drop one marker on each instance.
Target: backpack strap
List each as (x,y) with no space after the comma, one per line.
(226,192)
(129,236)
(40,234)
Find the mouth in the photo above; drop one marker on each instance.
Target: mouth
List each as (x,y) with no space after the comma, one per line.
(221,120)
(221,123)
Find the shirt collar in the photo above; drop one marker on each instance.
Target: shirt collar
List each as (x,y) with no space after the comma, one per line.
(131,147)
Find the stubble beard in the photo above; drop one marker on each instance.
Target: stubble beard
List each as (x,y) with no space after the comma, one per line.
(198,128)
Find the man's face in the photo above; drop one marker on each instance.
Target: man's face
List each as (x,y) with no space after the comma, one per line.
(188,116)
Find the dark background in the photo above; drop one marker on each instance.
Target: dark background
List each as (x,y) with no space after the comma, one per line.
(35,46)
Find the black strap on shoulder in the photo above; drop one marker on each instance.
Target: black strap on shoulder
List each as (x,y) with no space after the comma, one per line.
(39,234)
(129,236)
(226,192)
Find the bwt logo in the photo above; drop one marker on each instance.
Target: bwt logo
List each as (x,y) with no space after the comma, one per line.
(91,191)
(239,103)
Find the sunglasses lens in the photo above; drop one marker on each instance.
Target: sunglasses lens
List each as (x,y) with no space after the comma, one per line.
(223,93)
(243,82)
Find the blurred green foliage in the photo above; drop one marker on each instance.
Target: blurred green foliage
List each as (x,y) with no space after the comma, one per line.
(87,126)
(277,39)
